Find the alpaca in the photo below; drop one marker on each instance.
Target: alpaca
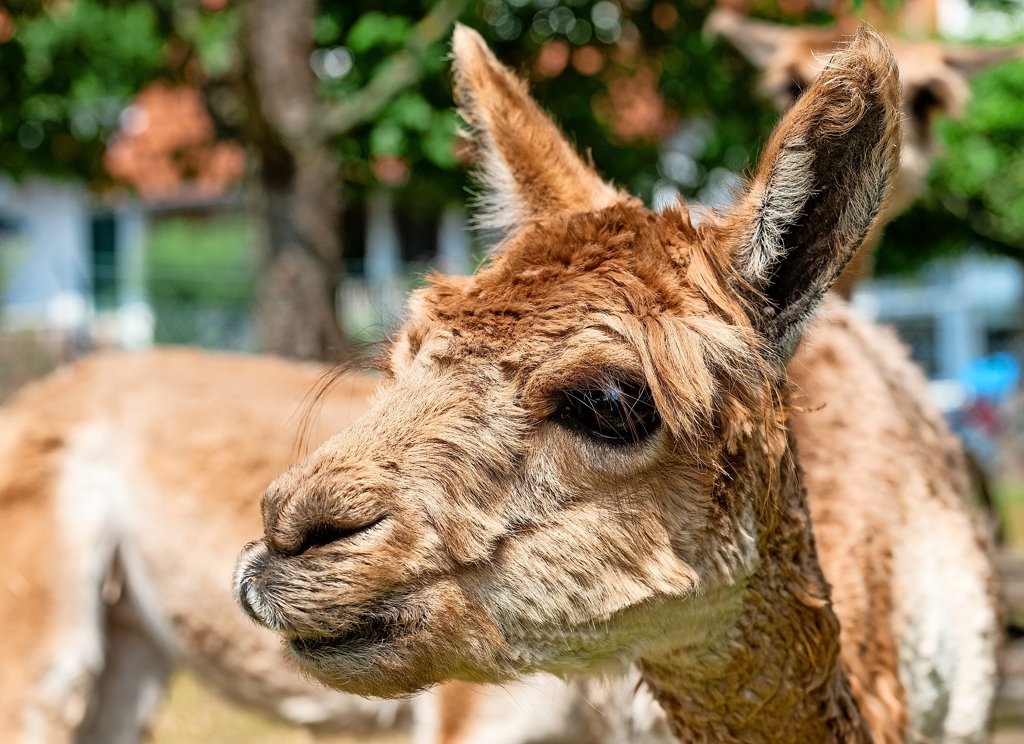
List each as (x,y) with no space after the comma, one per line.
(935,77)
(116,467)
(542,709)
(586,455)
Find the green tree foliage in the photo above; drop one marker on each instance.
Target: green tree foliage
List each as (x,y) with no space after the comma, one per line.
(72,67)
(200,275)
(65,77)
(701,82)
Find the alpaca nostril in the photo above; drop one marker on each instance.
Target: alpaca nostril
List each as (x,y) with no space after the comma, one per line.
(324,533)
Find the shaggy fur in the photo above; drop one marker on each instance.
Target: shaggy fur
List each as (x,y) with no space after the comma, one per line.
(935,84)
(461,530)
(91,665)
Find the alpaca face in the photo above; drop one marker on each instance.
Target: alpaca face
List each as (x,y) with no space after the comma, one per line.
(534,474)
(569,465)
(935,81)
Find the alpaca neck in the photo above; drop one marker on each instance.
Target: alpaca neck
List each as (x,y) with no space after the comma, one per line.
(772,673)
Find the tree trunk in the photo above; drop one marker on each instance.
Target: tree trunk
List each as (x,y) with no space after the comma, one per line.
(298,203)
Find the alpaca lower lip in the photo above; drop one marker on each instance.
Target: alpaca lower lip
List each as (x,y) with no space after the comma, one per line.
(369,631)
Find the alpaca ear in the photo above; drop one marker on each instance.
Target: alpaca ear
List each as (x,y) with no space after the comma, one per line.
(818,189)
(758,41)
(528,169)
(971,60)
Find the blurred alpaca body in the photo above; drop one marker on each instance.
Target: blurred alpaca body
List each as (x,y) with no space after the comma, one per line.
(936,84)
(120,478)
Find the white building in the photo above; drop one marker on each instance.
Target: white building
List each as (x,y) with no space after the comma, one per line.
(70,264)
(79,266)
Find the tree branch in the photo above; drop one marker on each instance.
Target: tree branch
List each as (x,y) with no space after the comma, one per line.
(397,73)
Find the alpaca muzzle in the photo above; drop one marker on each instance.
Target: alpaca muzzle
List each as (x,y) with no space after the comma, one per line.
(247,585)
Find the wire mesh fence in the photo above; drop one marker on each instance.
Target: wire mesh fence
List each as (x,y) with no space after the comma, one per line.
(200,274)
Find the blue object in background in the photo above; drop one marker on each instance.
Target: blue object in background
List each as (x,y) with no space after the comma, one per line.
(991,377)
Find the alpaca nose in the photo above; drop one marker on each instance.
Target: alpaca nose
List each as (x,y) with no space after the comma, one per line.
(302,513)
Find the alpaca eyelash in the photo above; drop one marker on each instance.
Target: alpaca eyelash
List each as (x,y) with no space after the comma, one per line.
(615,412)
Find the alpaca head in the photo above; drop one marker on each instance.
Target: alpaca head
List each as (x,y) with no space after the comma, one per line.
(935,79)
(571,459)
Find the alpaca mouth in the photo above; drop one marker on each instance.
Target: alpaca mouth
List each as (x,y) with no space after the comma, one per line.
(368,631)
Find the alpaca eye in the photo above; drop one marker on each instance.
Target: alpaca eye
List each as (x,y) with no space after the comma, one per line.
(616,413)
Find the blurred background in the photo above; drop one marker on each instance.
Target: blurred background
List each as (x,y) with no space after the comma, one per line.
(219,174)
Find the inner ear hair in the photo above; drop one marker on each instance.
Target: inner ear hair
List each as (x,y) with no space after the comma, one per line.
(819,187)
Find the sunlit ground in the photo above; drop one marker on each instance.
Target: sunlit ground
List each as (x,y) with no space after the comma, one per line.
(1010,500)
(197,715)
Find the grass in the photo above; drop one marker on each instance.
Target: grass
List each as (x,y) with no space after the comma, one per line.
(1009,498)
(194,714)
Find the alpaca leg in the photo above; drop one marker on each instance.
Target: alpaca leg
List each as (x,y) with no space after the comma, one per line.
(60,698)
(539,710)
(106,677)
(133,680)
(542,709)
(98,670)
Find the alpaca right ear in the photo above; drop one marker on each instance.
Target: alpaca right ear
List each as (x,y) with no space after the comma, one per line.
(758,41)
(818,189)
(528,169)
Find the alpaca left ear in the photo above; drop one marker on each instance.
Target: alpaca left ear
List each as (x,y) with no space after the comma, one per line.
(818,190)
(528,169)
